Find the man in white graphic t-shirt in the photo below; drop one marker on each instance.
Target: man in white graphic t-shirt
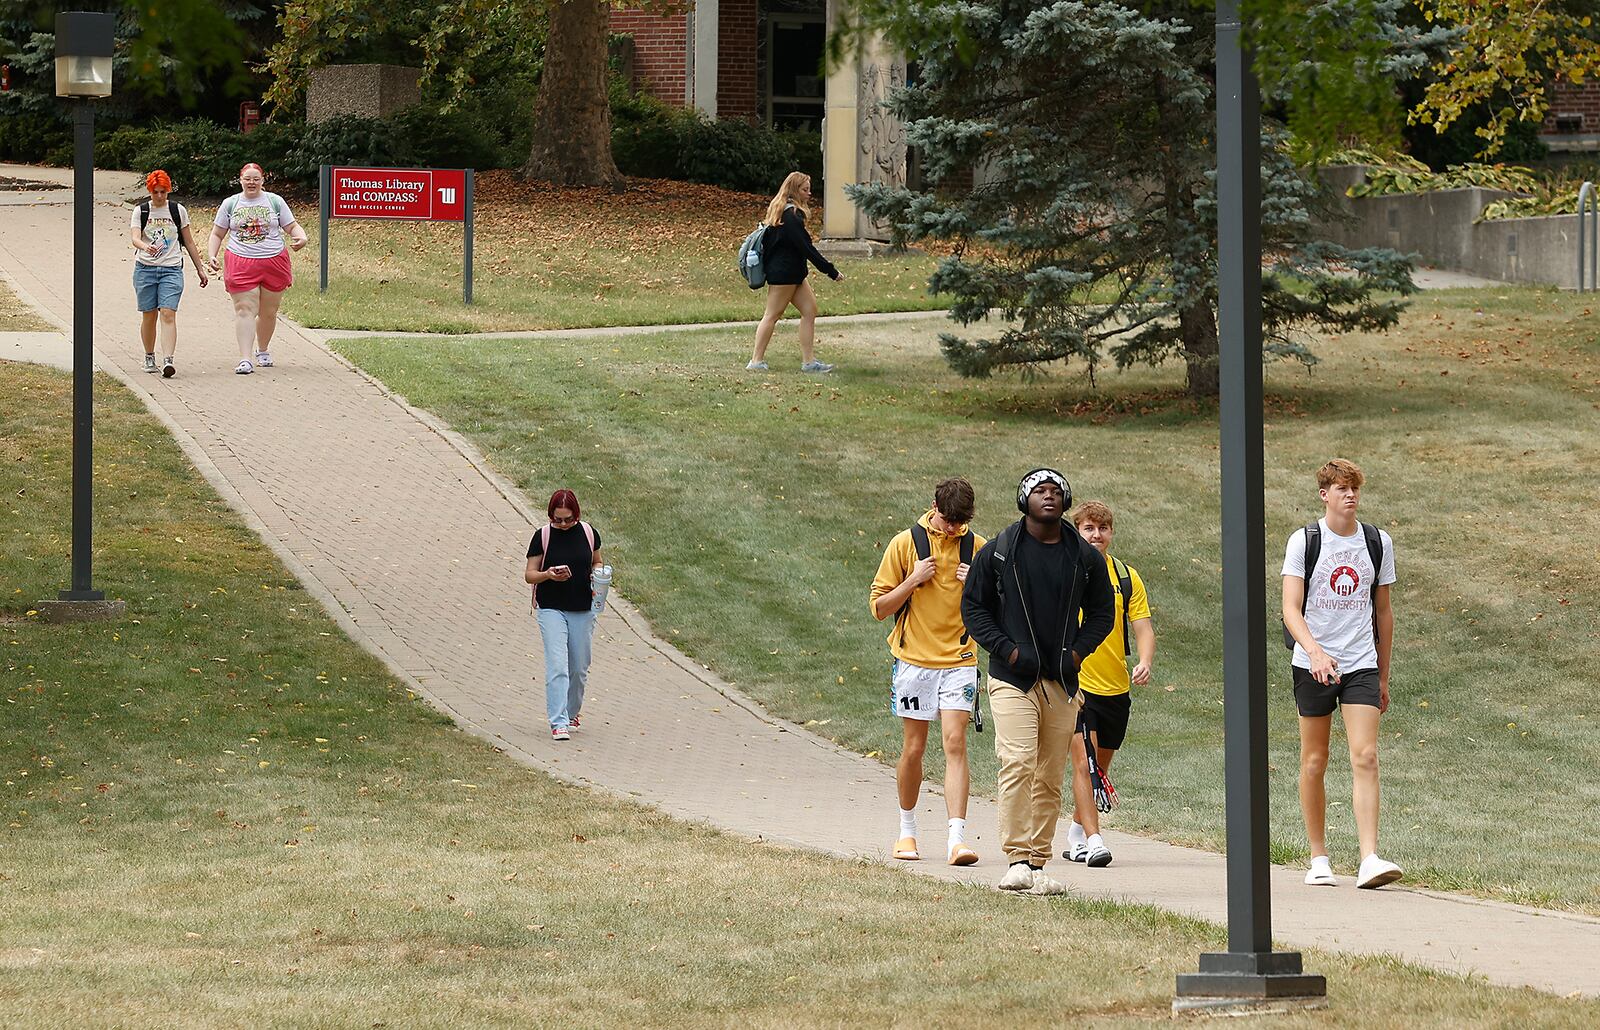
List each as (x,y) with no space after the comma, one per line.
(1336,578)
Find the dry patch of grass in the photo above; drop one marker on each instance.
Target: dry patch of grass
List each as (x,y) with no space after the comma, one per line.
(286,838)
(659,253)
(17,317)
(1474,422)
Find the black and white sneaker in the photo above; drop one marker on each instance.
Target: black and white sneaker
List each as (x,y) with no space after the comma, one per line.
(150,363)
(168,369)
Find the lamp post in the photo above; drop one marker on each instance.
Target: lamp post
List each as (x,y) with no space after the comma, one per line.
(1249,973)
(85,43)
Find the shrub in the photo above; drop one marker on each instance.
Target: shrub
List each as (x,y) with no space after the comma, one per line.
(27,136)
(455,140)
(345,140)
(736,155)
(202,157)
(659,141)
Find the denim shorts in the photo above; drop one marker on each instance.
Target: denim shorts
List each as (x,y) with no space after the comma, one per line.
(157,286)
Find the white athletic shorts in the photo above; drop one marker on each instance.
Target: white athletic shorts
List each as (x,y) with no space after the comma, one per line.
(919,693)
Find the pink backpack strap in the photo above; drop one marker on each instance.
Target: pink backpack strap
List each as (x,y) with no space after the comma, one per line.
(544,544)
(588,534)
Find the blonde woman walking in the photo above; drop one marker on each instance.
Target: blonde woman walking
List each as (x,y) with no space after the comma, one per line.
(786,250)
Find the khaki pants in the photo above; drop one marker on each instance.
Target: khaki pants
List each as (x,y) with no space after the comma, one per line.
(1033,740)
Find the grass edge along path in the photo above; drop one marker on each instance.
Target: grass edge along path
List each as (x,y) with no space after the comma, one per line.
(615,413)
(278,832)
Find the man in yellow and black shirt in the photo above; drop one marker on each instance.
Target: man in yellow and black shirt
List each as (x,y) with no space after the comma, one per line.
(1106,684)
(935,673)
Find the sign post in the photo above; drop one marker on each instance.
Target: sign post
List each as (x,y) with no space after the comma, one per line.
(400,194)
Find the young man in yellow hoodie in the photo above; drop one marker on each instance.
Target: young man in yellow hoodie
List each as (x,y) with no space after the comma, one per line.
(935,675)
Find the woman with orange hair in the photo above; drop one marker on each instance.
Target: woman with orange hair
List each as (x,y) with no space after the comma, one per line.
(159,231)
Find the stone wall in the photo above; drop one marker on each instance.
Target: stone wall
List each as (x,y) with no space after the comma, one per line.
(367,90)
(1439,227)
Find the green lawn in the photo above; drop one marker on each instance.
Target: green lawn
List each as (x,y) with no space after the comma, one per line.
(220,812)
(544,258)
(747,514)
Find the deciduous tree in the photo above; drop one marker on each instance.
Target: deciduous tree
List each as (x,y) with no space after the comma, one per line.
(571,117)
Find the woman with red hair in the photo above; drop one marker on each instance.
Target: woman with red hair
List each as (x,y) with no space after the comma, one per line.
(252,224)
(562,558)
(159,232)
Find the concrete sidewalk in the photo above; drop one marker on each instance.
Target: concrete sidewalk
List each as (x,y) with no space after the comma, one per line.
(416,547)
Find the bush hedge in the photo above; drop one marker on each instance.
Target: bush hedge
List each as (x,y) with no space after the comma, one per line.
(660,141)
(649,139)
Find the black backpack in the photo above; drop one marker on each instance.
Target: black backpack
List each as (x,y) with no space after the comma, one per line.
(1314,551)
(1125,588)
(924,547)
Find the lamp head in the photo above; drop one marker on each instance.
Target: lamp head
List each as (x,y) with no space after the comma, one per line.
(85,44)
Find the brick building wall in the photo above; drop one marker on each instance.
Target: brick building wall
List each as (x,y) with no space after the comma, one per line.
(736,60)
(660,49)
(1568,99)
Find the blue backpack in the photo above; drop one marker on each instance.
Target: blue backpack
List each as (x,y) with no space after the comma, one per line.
(752,258)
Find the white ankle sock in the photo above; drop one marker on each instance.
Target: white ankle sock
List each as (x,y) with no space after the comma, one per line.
(1096,842)
(1075,834)
(958,832)
(908,822)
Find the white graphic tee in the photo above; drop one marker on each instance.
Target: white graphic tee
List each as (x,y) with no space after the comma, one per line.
(1339,595)
(162,230)
(255,227)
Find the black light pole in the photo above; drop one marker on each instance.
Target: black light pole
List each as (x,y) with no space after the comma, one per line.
(1249,972)
(85,43)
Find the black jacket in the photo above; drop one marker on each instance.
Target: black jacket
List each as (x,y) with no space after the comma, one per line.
(787,247)
(995,608)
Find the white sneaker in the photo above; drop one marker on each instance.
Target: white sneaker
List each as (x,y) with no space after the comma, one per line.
(1321,873)
(1375,872)
(1019,877)
(1044,886)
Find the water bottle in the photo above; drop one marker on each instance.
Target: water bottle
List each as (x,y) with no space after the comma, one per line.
(600,582)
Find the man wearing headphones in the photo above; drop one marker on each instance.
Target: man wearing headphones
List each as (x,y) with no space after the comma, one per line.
(1023,601)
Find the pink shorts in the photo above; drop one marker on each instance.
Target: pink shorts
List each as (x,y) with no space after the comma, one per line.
(242,274)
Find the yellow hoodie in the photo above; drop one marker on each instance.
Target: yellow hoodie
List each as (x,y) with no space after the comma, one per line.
(933,627)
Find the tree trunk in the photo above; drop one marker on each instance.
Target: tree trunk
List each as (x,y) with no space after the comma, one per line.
(1198,323)
(571,115)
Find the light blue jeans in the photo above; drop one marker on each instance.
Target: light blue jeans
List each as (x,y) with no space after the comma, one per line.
(568,645)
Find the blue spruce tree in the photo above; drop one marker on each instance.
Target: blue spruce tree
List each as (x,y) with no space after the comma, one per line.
(1067,155)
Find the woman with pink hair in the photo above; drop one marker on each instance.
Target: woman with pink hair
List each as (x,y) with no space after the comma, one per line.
(561,561)
(159,231)
(252,224)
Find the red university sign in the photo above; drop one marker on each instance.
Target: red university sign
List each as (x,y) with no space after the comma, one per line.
(420,194)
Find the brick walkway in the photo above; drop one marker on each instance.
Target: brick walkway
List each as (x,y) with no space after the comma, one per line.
(402,531)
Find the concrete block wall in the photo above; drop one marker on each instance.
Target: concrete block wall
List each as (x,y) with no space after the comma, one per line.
(367,90)
(660,51)
(1439,228)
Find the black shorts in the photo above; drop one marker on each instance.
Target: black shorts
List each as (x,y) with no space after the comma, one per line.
(1353,688)
(1107,716)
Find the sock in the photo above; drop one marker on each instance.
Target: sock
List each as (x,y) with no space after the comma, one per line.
(1096,842)
(908,822)
(958,832)
(1075,834)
